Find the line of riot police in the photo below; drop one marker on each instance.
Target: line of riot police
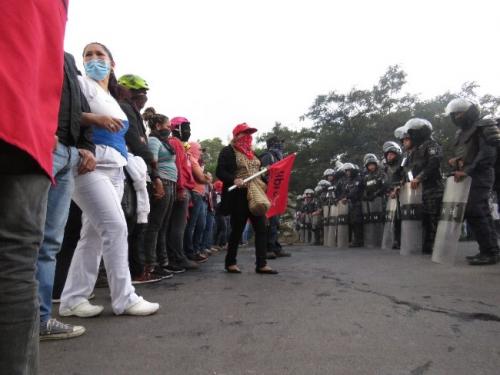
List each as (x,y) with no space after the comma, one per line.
(404,201)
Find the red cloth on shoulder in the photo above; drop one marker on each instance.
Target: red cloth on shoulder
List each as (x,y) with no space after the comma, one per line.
(31,74)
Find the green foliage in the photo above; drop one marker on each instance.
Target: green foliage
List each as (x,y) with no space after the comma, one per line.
(212,149)
(360,121)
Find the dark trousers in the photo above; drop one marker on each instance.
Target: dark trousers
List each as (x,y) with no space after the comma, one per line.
(64,257)
(175,231)
(430,220)
(478,216)
(136,246)
(239,216)
(273,244)
(155,236)
(23,205)
(221,230)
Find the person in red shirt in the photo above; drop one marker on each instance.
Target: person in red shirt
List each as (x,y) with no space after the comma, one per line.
(31,72)
(177,260)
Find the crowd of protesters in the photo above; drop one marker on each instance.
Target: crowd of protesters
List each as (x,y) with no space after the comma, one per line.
(107,193)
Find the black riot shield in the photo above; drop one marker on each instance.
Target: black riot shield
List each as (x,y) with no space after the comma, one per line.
(373,216)
(342,225)
(450,223)
(332,232)
(326,224)
(411,219)
(390,221)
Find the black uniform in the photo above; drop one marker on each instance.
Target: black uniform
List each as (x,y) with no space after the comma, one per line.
(424,162)
(351,188)
(394,174)
(478,158)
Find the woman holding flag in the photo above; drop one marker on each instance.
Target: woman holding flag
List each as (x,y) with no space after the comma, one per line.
(248,201)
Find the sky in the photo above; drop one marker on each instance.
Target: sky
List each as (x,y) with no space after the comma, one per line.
(223,62)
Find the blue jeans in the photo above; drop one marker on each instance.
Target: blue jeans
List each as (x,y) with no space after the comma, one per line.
(65,160)
(208,233)
(199,230)
(194,214)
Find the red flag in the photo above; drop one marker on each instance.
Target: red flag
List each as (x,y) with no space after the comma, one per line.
(277,186)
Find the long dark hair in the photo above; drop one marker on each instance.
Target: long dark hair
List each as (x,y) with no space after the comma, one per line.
(113,86)
(153,119)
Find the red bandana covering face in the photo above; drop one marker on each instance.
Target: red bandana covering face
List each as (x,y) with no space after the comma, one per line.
(244,145)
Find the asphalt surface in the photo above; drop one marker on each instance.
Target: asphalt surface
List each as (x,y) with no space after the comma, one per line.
(356,311)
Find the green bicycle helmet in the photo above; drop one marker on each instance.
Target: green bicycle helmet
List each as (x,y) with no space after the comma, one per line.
(133,82)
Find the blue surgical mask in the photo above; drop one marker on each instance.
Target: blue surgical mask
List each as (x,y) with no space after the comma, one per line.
(97,69)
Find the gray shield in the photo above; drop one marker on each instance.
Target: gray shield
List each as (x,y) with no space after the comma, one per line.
(390,220)
(411,219)
(308,232)
(332,232)
(373,222)
(315,228)
(342,225)
(326,224)
(455,199)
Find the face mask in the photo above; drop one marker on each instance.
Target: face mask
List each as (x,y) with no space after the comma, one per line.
(97,69)
(164,133)
(185,132)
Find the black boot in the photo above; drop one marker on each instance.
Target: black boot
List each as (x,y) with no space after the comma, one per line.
(484,259)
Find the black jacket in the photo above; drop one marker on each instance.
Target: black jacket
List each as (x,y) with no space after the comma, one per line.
(136,138)
(226,172)
(73,103)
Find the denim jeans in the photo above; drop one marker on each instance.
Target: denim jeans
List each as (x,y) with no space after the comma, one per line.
(65,160)
(199,229)
(194,215)
(23,204)
(208,234)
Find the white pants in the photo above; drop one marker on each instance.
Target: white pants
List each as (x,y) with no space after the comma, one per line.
(104,234)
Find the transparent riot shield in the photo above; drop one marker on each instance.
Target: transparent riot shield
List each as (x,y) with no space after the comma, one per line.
(411,219)
(449,228)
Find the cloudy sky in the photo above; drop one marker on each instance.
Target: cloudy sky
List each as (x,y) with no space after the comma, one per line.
(221,62)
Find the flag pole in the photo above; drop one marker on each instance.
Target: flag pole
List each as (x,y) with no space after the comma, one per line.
(259,173)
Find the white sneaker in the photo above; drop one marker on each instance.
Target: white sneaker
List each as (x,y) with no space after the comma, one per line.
(142,308)
(82,310)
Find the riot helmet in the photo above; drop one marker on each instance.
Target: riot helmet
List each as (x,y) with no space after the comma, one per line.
(347,166)
(419,130)
(400,133)
(370,158)
(463,112)
(328,172)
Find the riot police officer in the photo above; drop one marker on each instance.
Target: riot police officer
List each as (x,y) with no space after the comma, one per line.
(350,191)
(309,207)
(322,187)
(374,178)
(475,156)
(392,168)
(298,217)
(423,167)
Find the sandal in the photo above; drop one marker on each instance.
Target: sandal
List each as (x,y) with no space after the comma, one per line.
(266,271)
(233,269)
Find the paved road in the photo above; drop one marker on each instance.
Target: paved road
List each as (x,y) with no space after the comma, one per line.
(328,312)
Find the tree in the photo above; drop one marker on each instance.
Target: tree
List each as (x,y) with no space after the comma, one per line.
(361,120)
(212,149)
